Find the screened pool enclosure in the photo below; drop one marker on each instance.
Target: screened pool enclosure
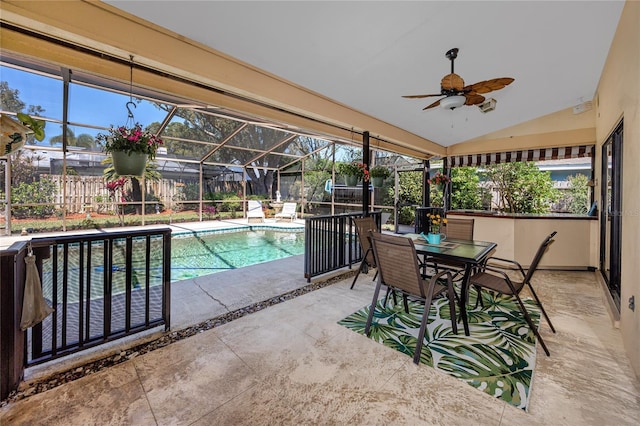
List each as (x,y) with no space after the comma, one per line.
(212,159)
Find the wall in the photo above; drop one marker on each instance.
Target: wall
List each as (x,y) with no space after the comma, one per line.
(519,238)
(617,97)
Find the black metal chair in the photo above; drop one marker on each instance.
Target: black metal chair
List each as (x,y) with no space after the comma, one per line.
(399,270)
(496,279)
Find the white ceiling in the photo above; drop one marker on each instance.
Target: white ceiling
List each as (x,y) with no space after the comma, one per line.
(366,54)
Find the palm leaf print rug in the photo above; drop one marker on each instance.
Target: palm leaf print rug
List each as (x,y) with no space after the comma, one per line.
(497,357)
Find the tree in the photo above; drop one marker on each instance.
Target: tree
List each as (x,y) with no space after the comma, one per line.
(10,101)
(465,188)
(578,194)
(522,187)
(410,193)
(84,140)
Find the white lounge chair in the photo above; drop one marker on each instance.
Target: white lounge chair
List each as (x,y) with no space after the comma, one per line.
(288,212)
(254,210)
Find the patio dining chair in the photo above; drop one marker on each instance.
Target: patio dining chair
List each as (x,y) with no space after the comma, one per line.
(399,270)
(496,279)
(363,226)
(460,229)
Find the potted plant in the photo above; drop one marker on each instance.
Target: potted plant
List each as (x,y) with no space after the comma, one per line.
(435,222)
(439,180)
(353,172)
(378,175)
(14,132)
(130,148)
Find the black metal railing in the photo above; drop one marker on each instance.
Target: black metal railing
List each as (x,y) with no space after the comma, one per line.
(331,243)
(102,286)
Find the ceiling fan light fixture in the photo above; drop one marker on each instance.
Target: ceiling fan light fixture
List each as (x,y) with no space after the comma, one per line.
(453,102)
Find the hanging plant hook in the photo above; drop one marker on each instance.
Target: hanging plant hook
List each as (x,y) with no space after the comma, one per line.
(128,105)
(130,113)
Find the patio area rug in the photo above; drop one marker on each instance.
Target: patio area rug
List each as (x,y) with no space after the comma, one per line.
(498,357)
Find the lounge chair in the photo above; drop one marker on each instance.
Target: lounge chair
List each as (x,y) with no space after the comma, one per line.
(288,212)
(254,210)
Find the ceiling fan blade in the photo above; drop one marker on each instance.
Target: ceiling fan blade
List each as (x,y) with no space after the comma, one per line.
(435,104)
(473,99)
(489,85)
(421,96)
(452,82)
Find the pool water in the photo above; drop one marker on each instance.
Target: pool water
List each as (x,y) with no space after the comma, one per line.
(194,255)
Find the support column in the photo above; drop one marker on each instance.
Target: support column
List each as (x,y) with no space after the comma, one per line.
(426,188)
(366,159)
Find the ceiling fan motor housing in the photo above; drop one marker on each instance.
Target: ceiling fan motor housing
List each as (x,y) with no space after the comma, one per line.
(488,105)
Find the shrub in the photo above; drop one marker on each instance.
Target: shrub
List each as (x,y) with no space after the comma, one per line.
(31,193)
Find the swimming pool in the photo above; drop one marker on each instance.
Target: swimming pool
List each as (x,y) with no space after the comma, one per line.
(193,254)
(196,254)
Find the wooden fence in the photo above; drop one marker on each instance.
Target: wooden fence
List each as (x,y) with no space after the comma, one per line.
(78,193)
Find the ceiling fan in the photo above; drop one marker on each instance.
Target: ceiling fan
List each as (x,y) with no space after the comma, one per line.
(456,94)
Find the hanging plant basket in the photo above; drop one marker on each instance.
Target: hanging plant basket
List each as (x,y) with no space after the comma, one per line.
(132,164)
(13,135)
(377,181)
(351,180)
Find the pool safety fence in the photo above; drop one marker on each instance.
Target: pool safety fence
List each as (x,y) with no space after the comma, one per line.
(331,242)
(103,286)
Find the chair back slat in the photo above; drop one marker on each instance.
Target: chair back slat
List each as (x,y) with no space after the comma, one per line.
(397,263)
(536,259)
(461,229)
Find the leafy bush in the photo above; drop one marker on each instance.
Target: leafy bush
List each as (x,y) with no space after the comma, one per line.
(228,205)
(578,194)
(31,193)
(522,187)
(465,192)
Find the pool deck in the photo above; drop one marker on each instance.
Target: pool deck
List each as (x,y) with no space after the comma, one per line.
(199,299)
(7,240)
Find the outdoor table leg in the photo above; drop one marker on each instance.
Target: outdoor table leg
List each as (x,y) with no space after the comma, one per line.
(464,295)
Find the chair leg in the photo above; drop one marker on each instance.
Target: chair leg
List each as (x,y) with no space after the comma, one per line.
(363,267)
(357,275)
(532,325)
(479,297)
(535,296)
(372,308)
(386,297)
(423,323)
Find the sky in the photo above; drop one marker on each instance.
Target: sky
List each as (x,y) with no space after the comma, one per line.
(87,105)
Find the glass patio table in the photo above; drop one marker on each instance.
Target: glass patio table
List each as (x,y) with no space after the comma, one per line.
(468,252)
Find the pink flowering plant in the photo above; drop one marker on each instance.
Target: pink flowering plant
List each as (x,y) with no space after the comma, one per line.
(354,168)
(130,139)
(439,179)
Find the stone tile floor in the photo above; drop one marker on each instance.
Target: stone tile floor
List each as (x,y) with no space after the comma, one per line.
(291,363)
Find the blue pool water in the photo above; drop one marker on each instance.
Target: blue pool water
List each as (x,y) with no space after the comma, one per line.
(194,255)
